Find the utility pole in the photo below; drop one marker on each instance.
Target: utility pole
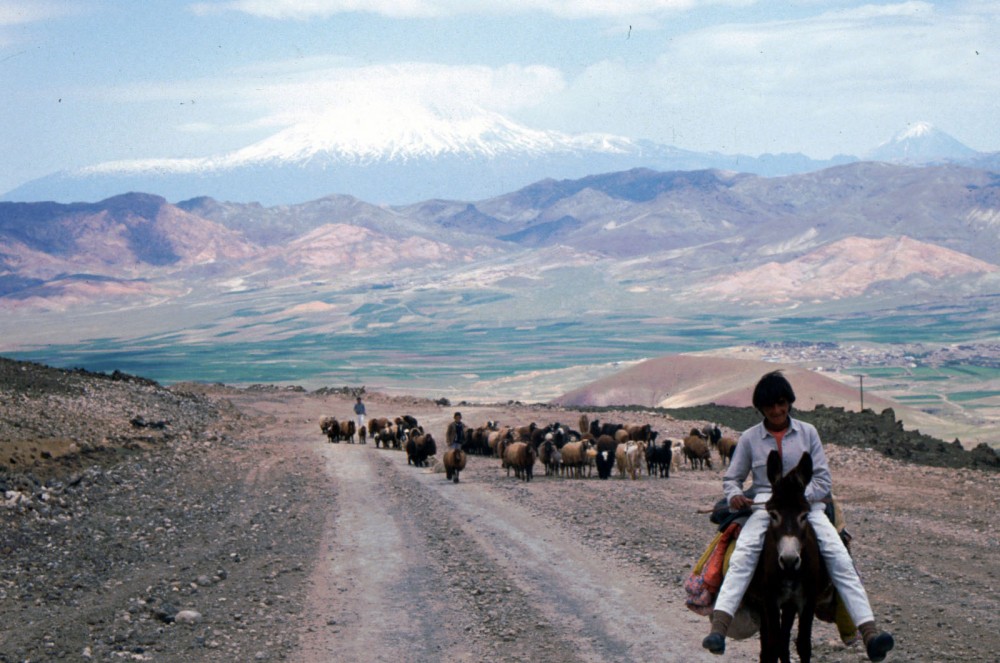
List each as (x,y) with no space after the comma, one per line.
(861,381)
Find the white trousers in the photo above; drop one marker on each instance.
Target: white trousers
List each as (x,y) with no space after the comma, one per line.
(838,561)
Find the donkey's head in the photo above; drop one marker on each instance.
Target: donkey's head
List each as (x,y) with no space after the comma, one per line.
(789,509)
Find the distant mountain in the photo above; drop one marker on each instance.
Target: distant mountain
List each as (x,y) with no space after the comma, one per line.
(860,233)
(922,143)
(398,159)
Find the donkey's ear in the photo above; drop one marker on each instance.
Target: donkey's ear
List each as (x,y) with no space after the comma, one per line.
(805,468)
(774,467)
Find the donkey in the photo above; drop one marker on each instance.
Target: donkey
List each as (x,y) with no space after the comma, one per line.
(454,462)
(791,574)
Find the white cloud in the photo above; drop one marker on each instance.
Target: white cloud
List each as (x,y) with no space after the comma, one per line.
(305,9)
(842,80)
(280,94)
(19,12)
(503,89)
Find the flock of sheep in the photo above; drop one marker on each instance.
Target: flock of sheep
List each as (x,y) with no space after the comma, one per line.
(562,451)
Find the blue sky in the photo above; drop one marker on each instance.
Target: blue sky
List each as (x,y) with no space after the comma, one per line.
(88,81)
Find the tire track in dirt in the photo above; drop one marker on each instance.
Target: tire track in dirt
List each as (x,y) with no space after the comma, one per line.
(371,587)
(476,575)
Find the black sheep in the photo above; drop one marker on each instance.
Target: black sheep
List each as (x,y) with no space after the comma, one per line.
(605,461)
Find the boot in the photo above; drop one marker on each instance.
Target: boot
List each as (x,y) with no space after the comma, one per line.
(715,642)
(877,643)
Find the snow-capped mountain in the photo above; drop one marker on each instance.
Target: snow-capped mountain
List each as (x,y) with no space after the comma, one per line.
(388,156)
(401,156)
(380,136)
(921,143)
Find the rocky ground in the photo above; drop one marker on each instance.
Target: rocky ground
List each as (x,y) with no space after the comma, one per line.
(204,523)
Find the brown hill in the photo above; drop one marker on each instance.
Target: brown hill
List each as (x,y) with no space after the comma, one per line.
(846,268)
(686,380)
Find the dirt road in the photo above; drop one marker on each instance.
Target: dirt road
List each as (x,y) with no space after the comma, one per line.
(416,568)
(277,545)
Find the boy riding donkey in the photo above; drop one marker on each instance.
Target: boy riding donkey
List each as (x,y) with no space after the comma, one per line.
(791,438)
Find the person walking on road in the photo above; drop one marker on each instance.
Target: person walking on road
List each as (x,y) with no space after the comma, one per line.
(359,413)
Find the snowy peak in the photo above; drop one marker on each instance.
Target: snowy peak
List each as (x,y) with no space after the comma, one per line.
(384,134)
(918,130)
(920,143)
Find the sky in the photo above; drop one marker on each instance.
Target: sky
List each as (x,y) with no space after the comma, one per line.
(90,81)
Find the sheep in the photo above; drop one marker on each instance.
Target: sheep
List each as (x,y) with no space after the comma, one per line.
(347,430)
(523,433)
(636,451)
(609,429)
(627,456)
(399,434)
(659,457)
(590,460)
(584,423)
(419,448)
(556,430)
(676,453)
(621,436)
(727,446)
(696,450)
(454,462)
(504,435)
(377,424)
(521,456)
(574,458)
(711,433)
(385,437)
(330,428)
(550,455)
(478,439)
(640,433)
(605,456)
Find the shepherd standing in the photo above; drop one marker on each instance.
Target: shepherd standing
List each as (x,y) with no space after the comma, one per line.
(455,434)
(359,413)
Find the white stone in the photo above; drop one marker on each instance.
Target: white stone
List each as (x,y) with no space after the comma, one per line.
(187,617)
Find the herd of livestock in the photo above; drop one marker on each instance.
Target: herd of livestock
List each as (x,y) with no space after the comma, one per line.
(560,450)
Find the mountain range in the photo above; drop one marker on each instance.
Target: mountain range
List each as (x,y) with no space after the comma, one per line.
(873,234)
(402,160)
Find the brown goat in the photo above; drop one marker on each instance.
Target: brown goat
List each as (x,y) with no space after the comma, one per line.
(505,435)
(639,433)
(454,462)
(521,456)
(697,451)
(727,446)
(574,458)
(347,430)
(523,433)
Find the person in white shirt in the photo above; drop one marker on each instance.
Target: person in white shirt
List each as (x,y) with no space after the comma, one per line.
(773,397)
(359,413)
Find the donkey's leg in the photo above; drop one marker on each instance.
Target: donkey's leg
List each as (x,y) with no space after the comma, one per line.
(770,633)
(787,619)
(803,641)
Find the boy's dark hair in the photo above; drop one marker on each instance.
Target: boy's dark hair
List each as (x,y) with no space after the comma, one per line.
(772,388)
